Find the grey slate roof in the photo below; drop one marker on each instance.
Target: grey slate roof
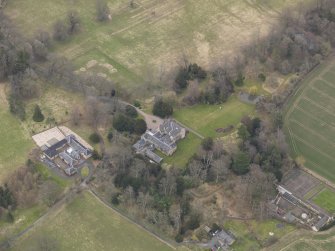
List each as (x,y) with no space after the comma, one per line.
(51,152)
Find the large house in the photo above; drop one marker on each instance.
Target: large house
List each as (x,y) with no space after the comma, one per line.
(70,151)
(63,148)
(164,139)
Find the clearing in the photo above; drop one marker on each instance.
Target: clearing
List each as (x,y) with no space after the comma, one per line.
(86,224)
(310,121)
(140,45)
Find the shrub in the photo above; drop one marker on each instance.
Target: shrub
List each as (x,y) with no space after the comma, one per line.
(137,104)
(94,138)
(162,108)
(131,111)
(179,238)
(122,123)
(110,136)
(240,164)
(207,143)
(96,155)
(115,199)
(261,77)
(38,115)
(140,126)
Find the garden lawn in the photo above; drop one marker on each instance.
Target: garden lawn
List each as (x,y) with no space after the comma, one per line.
(186,148)
(326,200)
(85,224)
(205,119)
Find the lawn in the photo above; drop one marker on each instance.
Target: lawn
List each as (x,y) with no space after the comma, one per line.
(252,235)
(186,148)
(310,119)
(15,142)
(205,119)
(152,38)
(86,224)
(326,200)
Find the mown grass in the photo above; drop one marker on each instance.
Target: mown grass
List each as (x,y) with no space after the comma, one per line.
(252,235)
(326,200)
(186,148)
(309,122)
(205,119)
(86,224)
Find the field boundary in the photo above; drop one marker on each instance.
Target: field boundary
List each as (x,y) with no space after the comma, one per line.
(118,212)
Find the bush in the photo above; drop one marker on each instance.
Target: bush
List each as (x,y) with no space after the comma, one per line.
(261,77)
(240,80)
(140,126)
(110,136)
(179,238)
(240,164)
(94,138)
(131,111)
(122,123)
(162,108)
(207,143)
(38,116)
(137,104)
(96,155)
(115,199)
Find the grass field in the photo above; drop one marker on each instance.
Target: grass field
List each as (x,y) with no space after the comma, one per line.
(140,43)
(304,240)
(252,235)
(310,122)
(205,119)
(15,142)
(86,224)
(326,200)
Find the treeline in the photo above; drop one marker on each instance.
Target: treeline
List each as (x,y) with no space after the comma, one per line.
(301,39)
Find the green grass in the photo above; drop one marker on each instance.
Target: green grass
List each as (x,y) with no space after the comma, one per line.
(85,224)
(15,143)
(310,119)
(47,174)
(263,228)
(205,119)
(245,240)
(315,190)
(326,200)
(186,148)
(305,240)
(140,42)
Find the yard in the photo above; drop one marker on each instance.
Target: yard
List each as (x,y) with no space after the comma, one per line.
(206,119)
(86,224)
(15,141)
(309,122)
(141,44)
